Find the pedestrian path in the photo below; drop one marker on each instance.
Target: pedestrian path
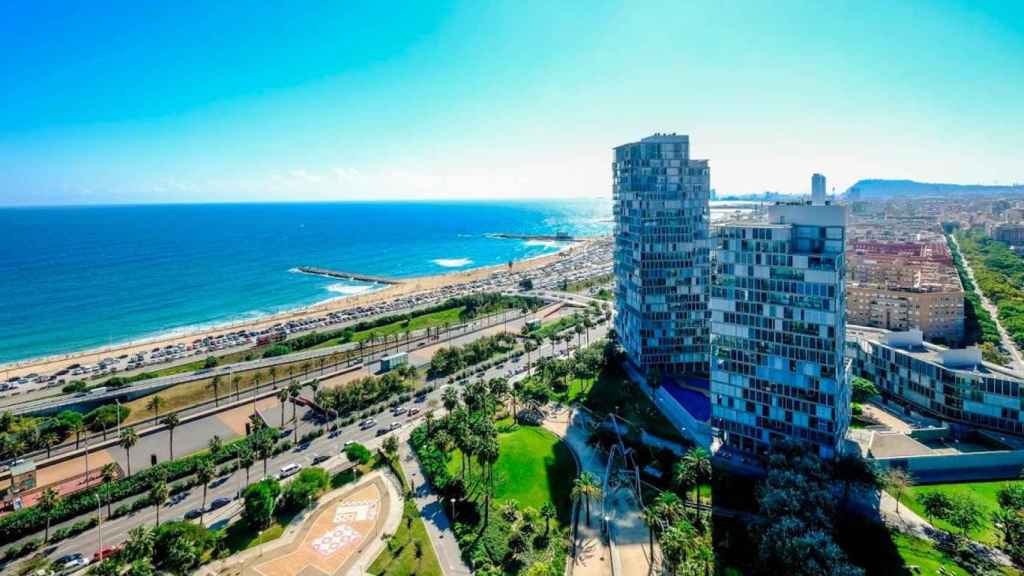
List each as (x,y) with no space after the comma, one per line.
(442,538)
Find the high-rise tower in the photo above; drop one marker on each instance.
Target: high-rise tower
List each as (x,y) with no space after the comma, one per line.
(778,329)
(661,255)
(818,192)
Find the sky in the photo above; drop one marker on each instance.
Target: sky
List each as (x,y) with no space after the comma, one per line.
(137,102)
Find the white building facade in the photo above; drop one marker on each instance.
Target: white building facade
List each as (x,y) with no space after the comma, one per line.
(661,255)
(778,324)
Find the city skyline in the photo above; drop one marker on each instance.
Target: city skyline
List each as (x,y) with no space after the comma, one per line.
(225,104)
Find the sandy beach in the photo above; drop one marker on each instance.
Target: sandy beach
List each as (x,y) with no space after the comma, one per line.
(405,288)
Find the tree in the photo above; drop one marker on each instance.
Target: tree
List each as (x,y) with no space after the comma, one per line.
(282,397)
(264,445)
(1011,496)
(273,375)
(307,486)
(862,390)
(587,488)
(450,400)
(48,502)
(210,362)
(684,476)
(215,445)
(129,438)
(896,481)
(965,514)
(204,473)
(180,546)
(139,544)
(215,386)
(158,494)
(245,460)
(293,391)
(75,423)
(936,504)
(154,405)
(357,453)
(670,507)
(109,474)
(236,381)
(260,498)
(390,448)
(171,421)
(699,462)
(49,440)
(677,542)
(510,511)
(488,453)
(548,513)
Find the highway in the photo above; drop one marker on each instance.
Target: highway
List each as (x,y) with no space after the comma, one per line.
(115,531)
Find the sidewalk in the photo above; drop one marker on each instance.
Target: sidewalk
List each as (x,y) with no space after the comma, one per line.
(442,538)
(593,556)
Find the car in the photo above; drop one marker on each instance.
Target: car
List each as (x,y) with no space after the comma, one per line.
(71,562)
(193,513)
(218,503)
(105,552)
(284,434)
(176,499)
(368,423)
(383,431)
(318,458)
(413,412)
(348,443)
(394,426)
(288,470)
(398,411)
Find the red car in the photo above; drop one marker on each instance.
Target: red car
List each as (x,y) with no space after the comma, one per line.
(105,552)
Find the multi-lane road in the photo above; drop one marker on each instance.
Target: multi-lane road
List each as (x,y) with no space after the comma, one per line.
(115,531)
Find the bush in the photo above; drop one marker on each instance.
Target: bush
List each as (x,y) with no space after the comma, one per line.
(306,488)
(259,503)
(357,453)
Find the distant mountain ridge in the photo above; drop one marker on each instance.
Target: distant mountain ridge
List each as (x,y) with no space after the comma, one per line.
(876,189)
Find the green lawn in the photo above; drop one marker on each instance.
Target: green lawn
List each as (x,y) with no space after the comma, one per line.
(613,392)
(923,555)
(399,557)
(432,320)
(534,467)
(553,327)
(983,492)
(239,536)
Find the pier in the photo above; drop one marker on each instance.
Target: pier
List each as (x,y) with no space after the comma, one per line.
(559,237)
(347,275)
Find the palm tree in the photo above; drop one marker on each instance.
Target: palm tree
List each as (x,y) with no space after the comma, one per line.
(158,494)
(652,516)
(487,454)
(50,440)
(264,448)
(109,474)
(171,421)
(450,399)
(215,445)
(282,397)
(684,477)
(529,345)
(293,391)
(669,507)
(699,461)
(154,405)
(245,460)
(305,368)
(129,438)
(390,448)
(204,473)
(236,381)
(548,513)
(586,487)
(47,504)
(510,511)
(215,386)
(273,375)
(76,427)
(139,545)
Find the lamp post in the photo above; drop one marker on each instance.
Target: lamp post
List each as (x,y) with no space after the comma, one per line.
(118,403)
(99,521)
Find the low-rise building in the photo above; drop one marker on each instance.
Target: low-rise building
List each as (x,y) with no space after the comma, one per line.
(955,385)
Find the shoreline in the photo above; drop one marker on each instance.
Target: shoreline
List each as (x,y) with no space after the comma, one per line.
(374,295)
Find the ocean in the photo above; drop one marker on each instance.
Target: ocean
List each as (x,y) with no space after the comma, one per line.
(75,278)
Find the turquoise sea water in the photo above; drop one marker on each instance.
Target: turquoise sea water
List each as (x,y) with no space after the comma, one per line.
(73,278)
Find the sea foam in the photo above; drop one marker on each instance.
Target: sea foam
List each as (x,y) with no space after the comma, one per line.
(452,262)
(348,289)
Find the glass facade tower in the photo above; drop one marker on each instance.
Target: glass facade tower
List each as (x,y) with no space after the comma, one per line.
(661,255)
(778,326)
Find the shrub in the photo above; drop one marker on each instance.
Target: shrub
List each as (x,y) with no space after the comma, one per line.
(307,486)
(357,453)
(259,503)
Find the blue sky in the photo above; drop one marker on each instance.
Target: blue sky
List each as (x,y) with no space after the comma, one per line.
(218,101)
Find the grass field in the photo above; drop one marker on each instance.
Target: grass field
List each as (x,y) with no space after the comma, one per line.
(923,555)
(612,391)
(399,557)
(983,492)
(534,467)
(553,327)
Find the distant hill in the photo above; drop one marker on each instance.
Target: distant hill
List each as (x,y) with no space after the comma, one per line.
(885,189)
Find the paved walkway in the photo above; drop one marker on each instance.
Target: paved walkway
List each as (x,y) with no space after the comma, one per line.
(593,555)
(432,511)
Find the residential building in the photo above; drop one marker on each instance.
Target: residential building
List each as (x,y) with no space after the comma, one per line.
(818,193)
(1012,234)
(661,255)
(903,285)
(955,385)
(778,307)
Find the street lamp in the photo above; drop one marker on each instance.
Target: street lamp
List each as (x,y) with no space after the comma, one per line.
(99,521)
(118,403)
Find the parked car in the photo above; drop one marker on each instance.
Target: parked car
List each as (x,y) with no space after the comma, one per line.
(394,426)
(288,470)
(193,513)
(105,552)
(368,423)
(71,562)
(320,458)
